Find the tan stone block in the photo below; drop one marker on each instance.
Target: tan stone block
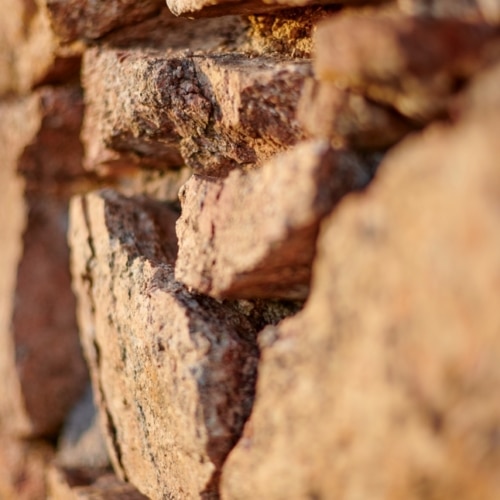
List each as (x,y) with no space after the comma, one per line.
(173,372)
(42,371)
(412,64)
(253,234)
(386,385)
(212,112)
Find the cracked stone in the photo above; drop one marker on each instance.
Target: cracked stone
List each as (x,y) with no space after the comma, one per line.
(173,372)
(211,112)
(253,234)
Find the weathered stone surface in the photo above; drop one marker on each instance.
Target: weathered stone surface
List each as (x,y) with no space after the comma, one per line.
(412,64)
(476,10)
(89,19)
(348,118)
(253,234)
(212,112)
(173,372)
(88,484)
(385,385)
(30,54)
(42,371)
(22,469)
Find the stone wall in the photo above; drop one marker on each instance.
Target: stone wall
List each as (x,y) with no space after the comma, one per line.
(250,249)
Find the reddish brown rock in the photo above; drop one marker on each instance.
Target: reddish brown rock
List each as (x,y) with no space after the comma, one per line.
(412,64)
(212,112)
(88,484)
(22,469)
(30,54)
(385,385)
(173,372)
(253,235)
(349,119)
(41,367)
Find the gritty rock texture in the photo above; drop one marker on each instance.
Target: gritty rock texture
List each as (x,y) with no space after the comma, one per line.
(211,112)
(22,469)
(253,235)
(90,19)
(41,367)
(30,54)
(348,118)
(385,385)
(173,372)
(88,484)
(414,65)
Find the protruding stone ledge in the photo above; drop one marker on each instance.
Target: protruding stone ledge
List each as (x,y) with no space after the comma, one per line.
(211,112)
(253,234)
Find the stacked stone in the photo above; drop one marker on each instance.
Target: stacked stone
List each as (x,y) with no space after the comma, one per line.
(286,288)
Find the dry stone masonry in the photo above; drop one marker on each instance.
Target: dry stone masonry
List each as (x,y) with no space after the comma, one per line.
(249,249)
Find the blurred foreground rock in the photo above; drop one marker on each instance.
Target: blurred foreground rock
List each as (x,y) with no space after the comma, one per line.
(385,385)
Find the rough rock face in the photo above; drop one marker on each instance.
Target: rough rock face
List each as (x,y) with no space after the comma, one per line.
(207,111)
(412,64)
(40,360)
(174,372)
(253,235)
(385,385)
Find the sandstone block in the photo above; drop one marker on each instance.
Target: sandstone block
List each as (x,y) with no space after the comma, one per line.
(173,372)
(211,112)
(42,371)
(253,235)
(30,53)
(412,64)
(348,118)
(385,385)
(88,484)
